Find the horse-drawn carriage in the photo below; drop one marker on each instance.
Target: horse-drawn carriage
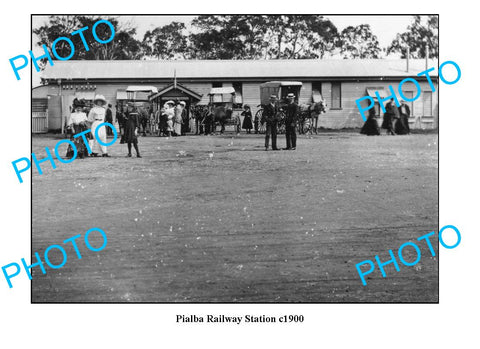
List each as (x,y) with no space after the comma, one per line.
(138,95)
(308,113)
(280,89)
(220,106)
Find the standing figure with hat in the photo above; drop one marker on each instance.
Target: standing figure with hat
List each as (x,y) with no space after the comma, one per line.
(270,117)
(401,126)
(97,116)
(291,116)
(247,118)
(185,126)
(389,117)
(178,121)
(120,117)
(132,126)
(169,116)
(109,119)
(370,127)
(77,123)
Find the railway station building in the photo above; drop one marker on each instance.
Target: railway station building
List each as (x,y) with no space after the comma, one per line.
(339,82)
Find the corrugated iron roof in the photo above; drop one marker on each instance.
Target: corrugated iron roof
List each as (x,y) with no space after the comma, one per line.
(210,69)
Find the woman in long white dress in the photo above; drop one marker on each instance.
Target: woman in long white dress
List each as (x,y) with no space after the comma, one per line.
(178,119)
(96,117)
(168,111)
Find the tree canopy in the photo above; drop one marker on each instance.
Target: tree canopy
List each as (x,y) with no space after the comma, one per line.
(358,42)
(417,36)
(237,37)
(124,45)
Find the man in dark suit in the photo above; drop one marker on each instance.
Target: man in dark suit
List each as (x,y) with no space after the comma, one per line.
(402,127)
(291,116)
(269,116)
(109,119)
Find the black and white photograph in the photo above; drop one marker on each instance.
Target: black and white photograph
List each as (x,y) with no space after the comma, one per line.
(255,158)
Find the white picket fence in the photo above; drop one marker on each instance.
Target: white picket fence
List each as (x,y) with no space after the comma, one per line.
(39,122)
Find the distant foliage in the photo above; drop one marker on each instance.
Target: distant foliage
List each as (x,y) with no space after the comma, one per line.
(358,42)
(417,36)
(123,46)
(237,37)
(167,42)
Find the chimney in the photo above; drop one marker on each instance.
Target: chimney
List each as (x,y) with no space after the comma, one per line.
(426,57)
(408,59)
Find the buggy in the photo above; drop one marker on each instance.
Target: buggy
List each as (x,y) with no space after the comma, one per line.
(280,89)
(221,106)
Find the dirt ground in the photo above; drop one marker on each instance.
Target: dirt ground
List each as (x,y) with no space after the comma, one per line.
(218,219)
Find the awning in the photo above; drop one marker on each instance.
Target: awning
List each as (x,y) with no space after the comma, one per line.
(151,89)
(121,95)
(281,83)
(222,90)
(381,92)
(86,95)
(317,96)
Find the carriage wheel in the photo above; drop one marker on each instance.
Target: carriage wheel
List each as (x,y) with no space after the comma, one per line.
(258,116)
(262,127)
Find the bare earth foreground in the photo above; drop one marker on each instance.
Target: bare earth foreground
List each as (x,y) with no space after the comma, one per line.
(218,219)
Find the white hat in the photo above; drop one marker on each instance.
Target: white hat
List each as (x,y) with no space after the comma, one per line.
(170,102)
(99,98)
(183,103)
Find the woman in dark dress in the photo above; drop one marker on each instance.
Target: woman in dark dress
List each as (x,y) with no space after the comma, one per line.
(370,127)
(132,125)
(389,117)
(401,126)
(247,118)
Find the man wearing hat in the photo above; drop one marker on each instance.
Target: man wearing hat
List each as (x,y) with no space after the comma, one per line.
(269,116)
(185,127)
(291,115)
(109,119)
(401,126)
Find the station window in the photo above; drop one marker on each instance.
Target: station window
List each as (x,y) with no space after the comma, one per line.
(317,86)
(336,95)
(217,84)
(427,103)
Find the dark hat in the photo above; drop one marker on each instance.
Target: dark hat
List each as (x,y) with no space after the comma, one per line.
(78,104)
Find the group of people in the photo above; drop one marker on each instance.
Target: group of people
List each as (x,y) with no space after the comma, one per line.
(395,120)
(270,117)
(172,119)
(79,122)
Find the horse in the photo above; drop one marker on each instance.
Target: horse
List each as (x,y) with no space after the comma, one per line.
(315,110)
(199,113)
(220,114)
(303,115)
